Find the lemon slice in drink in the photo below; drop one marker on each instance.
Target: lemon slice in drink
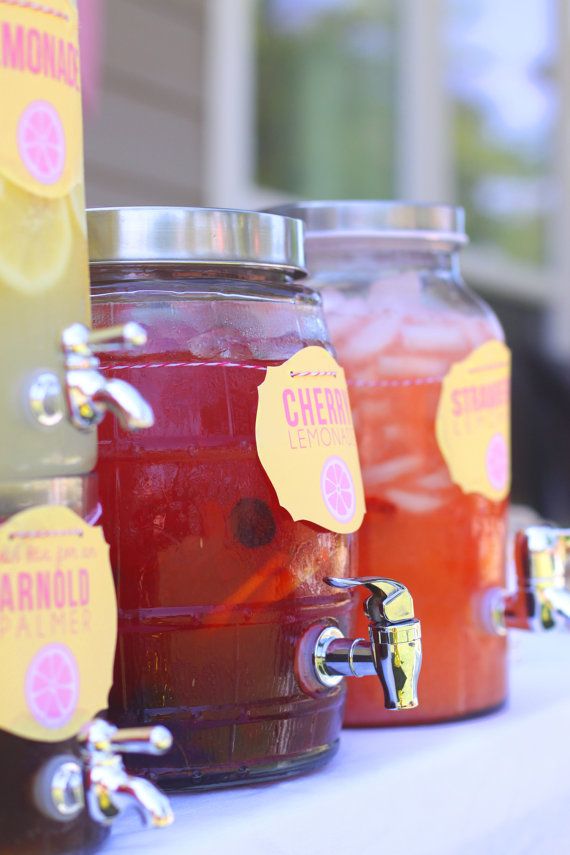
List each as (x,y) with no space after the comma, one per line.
(35,240)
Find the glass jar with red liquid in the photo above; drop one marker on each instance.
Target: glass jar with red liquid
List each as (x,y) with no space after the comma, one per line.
(216,582)
(428,376)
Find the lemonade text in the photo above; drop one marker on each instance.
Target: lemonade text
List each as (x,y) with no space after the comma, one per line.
(30,50)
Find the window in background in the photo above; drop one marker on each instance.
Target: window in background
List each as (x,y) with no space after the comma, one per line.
(465,101)
(500,76)
(326,97)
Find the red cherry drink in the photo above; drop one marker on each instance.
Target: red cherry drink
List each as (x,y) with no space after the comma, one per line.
(216,583)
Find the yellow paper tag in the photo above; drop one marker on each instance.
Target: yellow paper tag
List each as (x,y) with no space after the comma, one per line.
(306,443)
(473,421)
(58,623)
(41,141)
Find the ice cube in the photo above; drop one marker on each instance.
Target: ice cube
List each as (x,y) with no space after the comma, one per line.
(257,320)
(478,330)
(225,343)
(369,407)
(411,367)
(275,349)
(391,470)
(397,290)
(343,328)
(435,338)
(437,480)
(394,433)
(414,502)
(344,305)
(369,337)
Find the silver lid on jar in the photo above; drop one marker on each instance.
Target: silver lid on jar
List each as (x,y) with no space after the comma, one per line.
(195,236)
(394,220)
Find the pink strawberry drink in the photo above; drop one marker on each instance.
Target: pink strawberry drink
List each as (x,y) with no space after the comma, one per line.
(400,317)
(446,545)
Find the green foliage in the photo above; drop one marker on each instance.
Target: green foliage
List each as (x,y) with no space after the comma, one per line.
(325,103)
(520,235)
(327,122)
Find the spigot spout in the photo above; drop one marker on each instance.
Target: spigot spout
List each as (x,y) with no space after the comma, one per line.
(541,599)
(109,788)
(112,791)
(397,654)
(123,400)
(89,394)
(558,603)
(393,653)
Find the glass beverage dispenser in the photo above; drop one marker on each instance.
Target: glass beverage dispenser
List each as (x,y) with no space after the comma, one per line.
(60,782)
(229,516)
(429,379)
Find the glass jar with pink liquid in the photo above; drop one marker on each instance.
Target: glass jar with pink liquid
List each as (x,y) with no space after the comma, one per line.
(428,375)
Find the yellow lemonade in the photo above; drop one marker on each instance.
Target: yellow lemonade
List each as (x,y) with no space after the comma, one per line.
(44,288)
(43,253)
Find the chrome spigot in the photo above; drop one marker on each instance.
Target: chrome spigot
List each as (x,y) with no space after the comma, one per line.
(541,600)
(394,652)
(109,787)
(89,394)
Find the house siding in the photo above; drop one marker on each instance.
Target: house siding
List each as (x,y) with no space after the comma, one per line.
(143,138)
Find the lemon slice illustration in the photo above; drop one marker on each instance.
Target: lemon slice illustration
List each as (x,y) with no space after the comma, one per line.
(52,686)
(41,142)
(337,489)
(35,240)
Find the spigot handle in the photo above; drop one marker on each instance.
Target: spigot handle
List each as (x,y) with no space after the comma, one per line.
(142,740)
(117,338)
(81,340)
(390,603)
(101,736)
(75,340)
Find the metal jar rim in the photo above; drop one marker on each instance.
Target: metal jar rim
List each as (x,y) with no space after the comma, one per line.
(195,236)
(393,220)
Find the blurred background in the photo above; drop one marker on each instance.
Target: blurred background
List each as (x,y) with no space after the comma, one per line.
(246,103)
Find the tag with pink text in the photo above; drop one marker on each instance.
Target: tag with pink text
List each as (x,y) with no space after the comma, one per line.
(473,423)
(58,623)
(41,139)
(306,442)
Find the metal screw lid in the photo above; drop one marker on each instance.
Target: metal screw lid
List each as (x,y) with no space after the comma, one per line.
(195,236)
(387,219)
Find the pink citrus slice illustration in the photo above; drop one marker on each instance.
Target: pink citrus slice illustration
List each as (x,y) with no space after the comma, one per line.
(337,489)
(497,461)
(41,142)
(52,686)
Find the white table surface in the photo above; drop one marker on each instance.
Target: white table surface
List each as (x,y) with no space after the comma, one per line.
(497,785)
